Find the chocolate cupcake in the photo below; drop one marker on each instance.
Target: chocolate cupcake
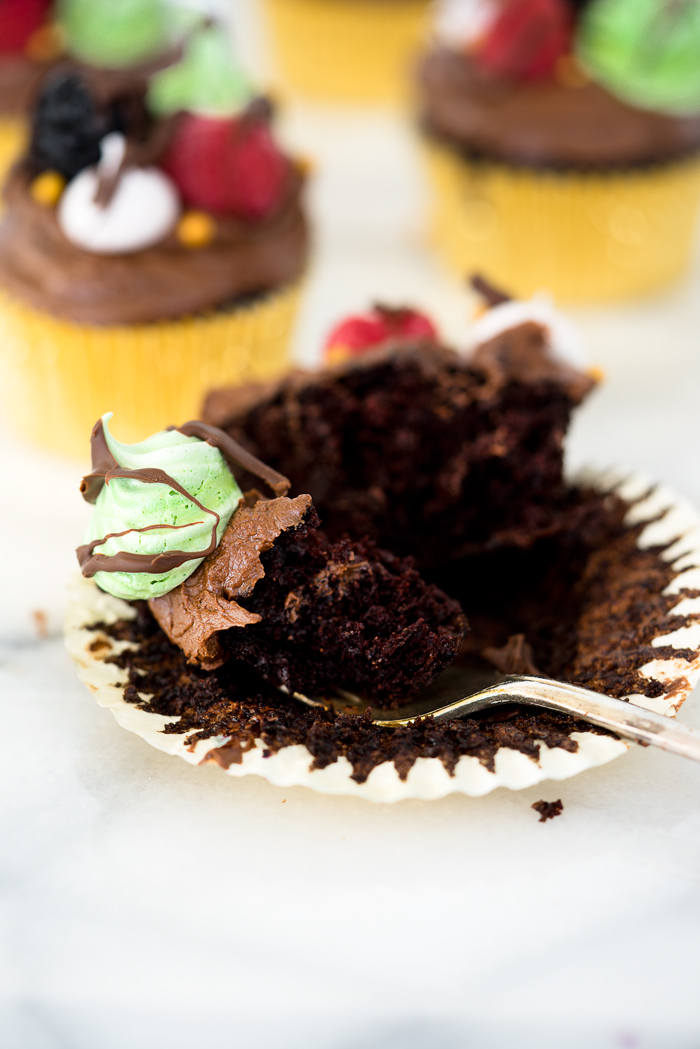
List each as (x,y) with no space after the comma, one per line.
(154,239)
(593,581)
(563,142)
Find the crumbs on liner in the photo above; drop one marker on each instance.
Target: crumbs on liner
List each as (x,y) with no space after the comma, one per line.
(548,809)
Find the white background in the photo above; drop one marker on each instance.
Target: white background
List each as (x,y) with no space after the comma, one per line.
(146,903)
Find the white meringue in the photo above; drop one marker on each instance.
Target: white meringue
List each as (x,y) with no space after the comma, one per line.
(144,209)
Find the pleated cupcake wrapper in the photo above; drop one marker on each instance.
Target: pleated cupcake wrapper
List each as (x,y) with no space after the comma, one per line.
(59,377)
(346,51)
(588,237)
(13,138)
(673,524)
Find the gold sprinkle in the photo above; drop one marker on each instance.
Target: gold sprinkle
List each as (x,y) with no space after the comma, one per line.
(596,373)
(305,165)
(46,43)
(196,229)
(46,188)
(337,354)
(569,73)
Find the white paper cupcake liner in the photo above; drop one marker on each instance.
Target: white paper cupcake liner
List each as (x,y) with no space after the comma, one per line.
(673,524)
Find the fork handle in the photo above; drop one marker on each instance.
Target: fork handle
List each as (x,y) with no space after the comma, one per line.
(626,719)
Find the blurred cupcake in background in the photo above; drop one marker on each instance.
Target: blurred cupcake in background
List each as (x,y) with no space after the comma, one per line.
(345,51)
(564,142)
(29,43)
(154,238)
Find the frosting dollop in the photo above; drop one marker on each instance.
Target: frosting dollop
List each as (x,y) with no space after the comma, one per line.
(183,513)
(645,51)
(142,211)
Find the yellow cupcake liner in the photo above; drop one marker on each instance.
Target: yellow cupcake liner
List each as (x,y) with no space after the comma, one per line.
(346,51)
(59,377)
(13,138)
(586,237)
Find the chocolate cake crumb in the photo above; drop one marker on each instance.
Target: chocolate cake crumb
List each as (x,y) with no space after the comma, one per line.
(41,623)
(548,809)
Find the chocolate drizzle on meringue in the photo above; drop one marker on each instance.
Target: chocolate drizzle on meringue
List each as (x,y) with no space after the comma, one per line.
(105,468)
(236,454)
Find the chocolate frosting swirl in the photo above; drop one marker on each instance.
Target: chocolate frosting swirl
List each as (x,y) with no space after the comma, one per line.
(195,612)
(544,123)
(19,81)
(164,282)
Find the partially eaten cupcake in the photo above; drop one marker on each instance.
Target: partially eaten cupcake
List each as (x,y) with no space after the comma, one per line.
(254,579)
(154,221)
(451,458)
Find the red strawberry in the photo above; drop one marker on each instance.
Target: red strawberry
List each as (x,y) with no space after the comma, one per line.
(364,331)
(228,166)
(18,20)
(526,38)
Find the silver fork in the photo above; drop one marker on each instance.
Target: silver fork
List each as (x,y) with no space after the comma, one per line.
(459,693)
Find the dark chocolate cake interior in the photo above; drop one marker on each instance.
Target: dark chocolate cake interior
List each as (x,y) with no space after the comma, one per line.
(312,615)
(424,451)
(346,613)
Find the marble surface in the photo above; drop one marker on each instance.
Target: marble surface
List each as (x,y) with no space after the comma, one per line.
(146,903)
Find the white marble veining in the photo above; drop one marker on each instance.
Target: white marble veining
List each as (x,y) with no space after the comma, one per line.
(148,903)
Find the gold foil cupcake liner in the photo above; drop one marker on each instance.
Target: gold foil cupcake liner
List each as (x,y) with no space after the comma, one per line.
(346,51)
(672,525)
(587,237)
(13,137)
(60,377)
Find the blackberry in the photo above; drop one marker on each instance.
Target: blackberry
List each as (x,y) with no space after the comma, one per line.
(67,126)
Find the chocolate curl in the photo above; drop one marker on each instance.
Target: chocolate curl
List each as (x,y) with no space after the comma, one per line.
(238,455)
(136,154)
(492,295)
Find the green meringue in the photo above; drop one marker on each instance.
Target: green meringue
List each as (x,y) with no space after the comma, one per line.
(208,80)
(115,34)
(645,51)
(126,503)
